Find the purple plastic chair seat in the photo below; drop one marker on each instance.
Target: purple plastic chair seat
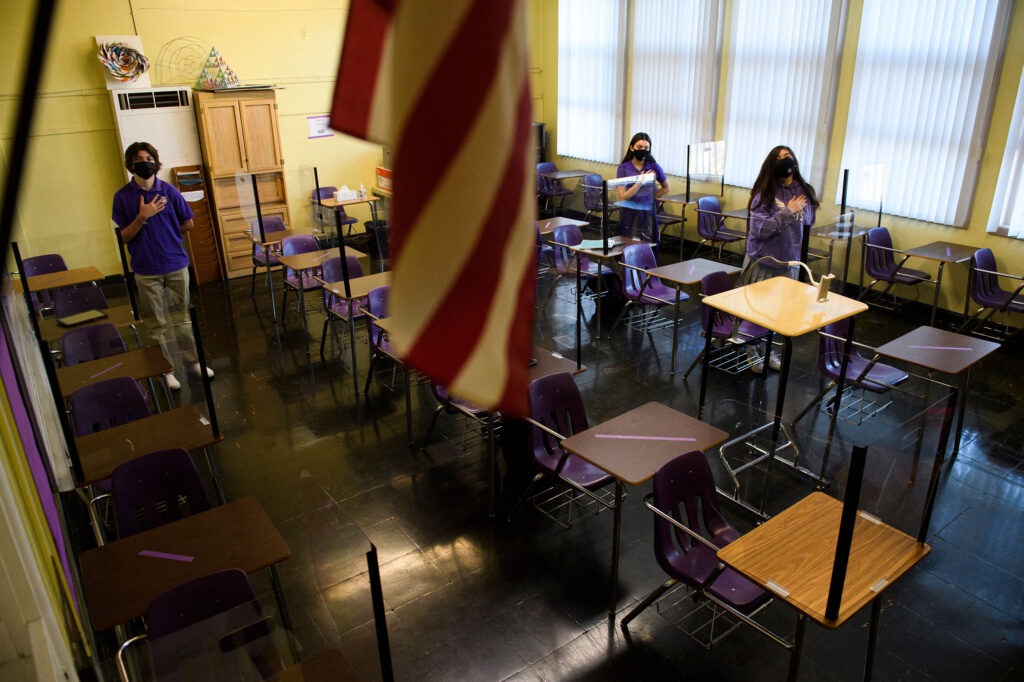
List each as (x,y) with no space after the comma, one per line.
(985,289)
(565,259)
(712,227)
(91,343)
(548,187)
(156,489)
(655,292)
(218,611)
(718,324)
(43,265)
(107,404)
(556,403)
(880,262)
(77,300)
(879,379)
(333,305)
(684,490)
(271,224)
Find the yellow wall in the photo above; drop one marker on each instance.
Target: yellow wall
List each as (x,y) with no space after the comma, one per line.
(75,164)
(907,233)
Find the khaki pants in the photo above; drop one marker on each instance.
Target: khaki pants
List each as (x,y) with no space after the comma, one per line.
(164,301)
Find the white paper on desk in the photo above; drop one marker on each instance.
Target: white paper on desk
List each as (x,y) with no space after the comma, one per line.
(595,244)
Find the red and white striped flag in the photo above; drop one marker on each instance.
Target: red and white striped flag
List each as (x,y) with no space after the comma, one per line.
(446,85)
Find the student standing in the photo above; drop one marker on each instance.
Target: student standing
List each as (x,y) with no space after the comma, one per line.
(781,203)
(638,161)
(153,217)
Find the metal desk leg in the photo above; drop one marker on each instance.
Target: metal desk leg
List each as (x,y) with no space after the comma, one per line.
(798,647)
(935,297)
(600,283)
(960,409)
(869,660)
(616,533)
(704,374)
(270,285)
(352,344)
(675,334)
(780,399)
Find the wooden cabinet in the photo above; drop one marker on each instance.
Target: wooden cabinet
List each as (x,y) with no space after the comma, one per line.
(238,133)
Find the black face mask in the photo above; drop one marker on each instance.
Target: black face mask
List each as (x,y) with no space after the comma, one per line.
(144,169)
(784,167)
(641,154)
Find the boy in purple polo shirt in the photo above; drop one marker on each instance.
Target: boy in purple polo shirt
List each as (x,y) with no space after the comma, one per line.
(153,217)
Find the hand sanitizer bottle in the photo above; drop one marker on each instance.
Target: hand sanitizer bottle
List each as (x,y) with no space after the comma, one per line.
(362,191)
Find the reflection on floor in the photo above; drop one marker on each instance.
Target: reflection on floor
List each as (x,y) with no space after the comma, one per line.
(474,598)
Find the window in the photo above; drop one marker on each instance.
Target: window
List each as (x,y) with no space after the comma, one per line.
(673,86)
(591,78)
(781,84)
(921,99)
(1008,203)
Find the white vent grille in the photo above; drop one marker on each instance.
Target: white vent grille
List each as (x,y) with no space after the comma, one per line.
(154,99)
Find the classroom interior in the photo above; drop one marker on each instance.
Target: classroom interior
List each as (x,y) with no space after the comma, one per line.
(467,595)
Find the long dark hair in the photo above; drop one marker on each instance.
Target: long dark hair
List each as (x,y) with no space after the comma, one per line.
(767,184)
(636,138)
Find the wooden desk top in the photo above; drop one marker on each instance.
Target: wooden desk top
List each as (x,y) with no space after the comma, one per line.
(548,225)
(274,237)
(689,272)
(738,213)
(634,445)
(565,174)
(785,306)
(945,252)
(119,583)
(313,259)
(791,555)
(331,202)
(616,245)
(359,286)
(552,363)
(63,278)
(327,666)
(937,349)
(681,198)
(119,316)
(137,364)
(183,427)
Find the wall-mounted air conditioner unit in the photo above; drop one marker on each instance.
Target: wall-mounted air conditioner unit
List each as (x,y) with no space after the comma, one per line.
(164,118)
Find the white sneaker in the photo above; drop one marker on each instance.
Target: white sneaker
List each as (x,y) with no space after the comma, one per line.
(775,362)
(172,381)
(194,368)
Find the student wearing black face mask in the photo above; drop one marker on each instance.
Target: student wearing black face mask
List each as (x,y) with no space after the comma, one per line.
(781,203)
(636,217)
(153,217)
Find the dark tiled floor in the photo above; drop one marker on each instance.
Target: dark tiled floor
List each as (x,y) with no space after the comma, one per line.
(473,598)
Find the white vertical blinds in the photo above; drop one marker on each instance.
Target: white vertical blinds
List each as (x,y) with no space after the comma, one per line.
(921,99)
(673,77)
(591,78)
(1008,202)
(781,84)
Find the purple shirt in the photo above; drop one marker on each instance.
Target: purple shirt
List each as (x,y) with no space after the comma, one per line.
(774,229)
(156,249)
(646,192)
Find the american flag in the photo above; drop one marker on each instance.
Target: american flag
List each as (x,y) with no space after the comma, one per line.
(446,85)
